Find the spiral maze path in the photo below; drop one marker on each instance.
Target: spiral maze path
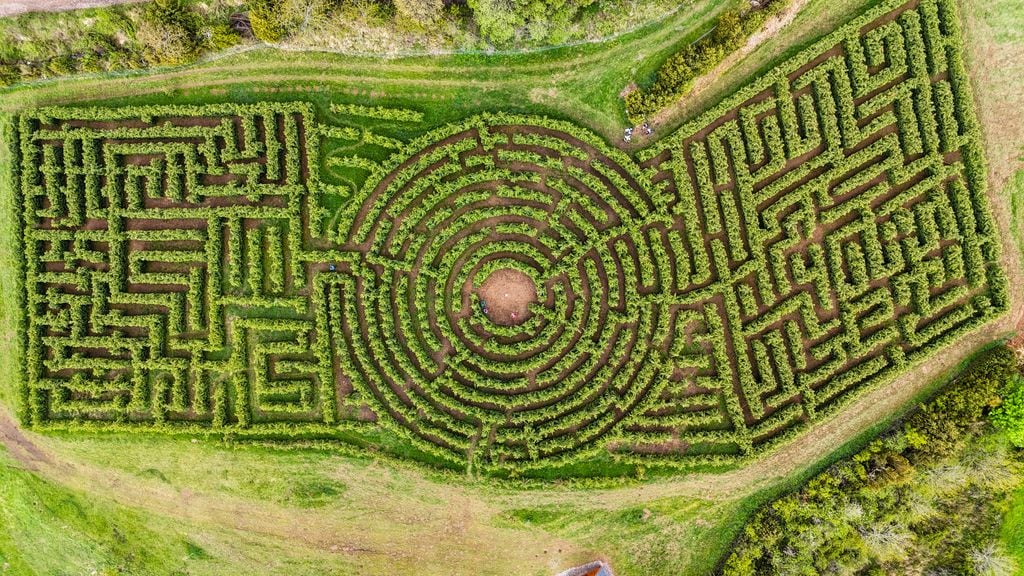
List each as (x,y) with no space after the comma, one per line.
(511,292)
(502,197)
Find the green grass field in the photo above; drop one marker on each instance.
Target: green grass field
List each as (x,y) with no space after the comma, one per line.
(141,503)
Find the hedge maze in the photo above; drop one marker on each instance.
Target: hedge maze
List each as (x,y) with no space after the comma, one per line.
(163,283)
(510,292)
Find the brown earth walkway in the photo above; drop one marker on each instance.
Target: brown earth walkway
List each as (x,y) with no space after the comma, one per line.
(13,7)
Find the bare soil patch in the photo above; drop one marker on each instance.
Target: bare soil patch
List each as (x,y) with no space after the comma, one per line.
(508,294)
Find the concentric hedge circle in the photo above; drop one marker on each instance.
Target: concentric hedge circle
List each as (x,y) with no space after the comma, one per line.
(501,193)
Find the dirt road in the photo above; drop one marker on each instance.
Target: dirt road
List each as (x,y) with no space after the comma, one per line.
(12,7)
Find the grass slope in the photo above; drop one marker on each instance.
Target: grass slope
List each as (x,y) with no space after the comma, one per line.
(1001,25)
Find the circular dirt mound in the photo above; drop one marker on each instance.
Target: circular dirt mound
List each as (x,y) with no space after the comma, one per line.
(498,215)
(506,296)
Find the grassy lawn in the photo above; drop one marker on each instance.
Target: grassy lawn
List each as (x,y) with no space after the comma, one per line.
(1013,528)
(146,504)
(1001,24)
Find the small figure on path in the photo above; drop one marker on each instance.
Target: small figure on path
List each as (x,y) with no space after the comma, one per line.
(332,267)
(628,135)
(647,129)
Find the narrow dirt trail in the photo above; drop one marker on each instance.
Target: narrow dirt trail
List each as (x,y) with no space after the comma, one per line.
(670,115)
(13,7)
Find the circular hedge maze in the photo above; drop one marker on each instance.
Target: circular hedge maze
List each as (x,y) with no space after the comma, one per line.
(509,293)
(510,205)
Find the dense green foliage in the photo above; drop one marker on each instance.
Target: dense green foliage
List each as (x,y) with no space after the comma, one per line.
(161,32)
(675,76)
(501,20)
(30,50)
(267,20)
(1009,415)
(928,496)
(810,237)
(175,32)
(937,429)
(170,32)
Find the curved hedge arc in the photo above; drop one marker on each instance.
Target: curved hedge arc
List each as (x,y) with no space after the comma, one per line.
(502,192)
(811,236)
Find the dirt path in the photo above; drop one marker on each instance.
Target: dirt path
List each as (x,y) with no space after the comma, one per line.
(771,27)
(12,7)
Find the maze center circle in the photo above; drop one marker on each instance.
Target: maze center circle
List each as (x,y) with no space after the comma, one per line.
(506,296)
(493,270)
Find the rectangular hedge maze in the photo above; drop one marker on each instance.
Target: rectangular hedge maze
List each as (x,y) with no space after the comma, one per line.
(839,202)
(811,236)
(162,269)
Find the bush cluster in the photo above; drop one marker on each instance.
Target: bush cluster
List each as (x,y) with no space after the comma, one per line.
(924,495)
(675,76)
(160,32)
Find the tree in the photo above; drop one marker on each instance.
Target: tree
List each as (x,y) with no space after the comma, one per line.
(501,20)
(422,12)
(943,422)
(275,20)
(169,31)
(497,19)
(267,21)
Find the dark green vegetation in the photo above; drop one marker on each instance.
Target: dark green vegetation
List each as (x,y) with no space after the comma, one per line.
(176,32)
(208,269)
(929,495)
(162,32)
(675,76)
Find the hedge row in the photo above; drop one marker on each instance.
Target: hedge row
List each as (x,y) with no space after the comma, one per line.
(676,75)
(812,236)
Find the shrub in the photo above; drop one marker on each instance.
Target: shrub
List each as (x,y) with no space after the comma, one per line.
(267,20)
(422,12)
(1009,415)
(674,77)
(945,420)
(219,36)
(169,29)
